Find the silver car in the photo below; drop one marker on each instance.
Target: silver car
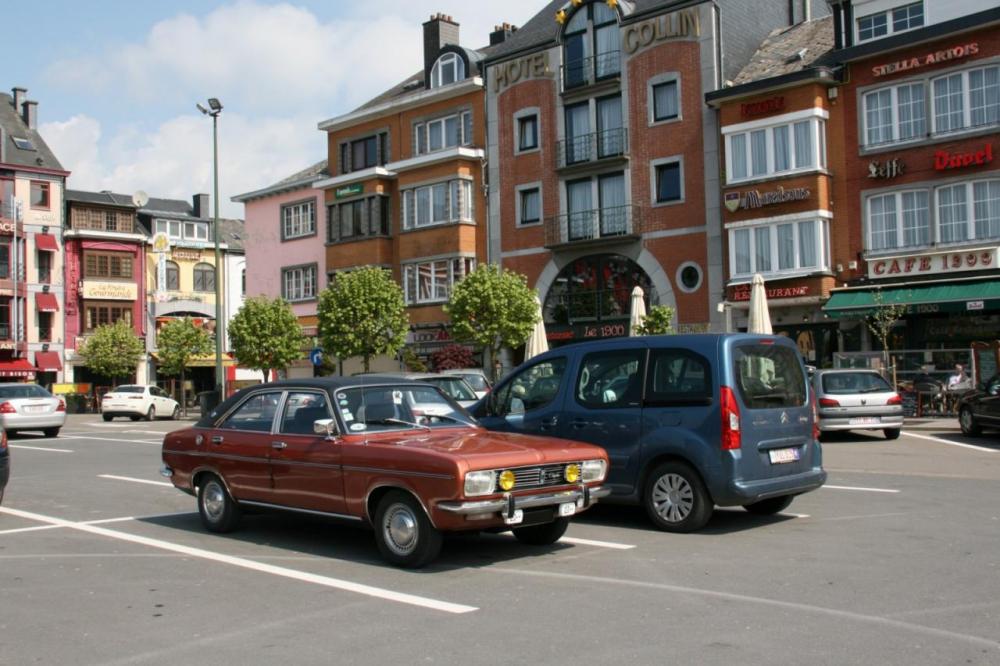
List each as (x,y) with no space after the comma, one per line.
(475,377)
(30,407)
(857,400)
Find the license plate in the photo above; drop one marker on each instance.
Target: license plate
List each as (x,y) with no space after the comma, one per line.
(567,509)
(34,408)
(779,456)
(518,517)
(865,420)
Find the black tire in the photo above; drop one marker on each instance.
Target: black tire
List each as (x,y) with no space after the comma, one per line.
(151,413)
(770,506)
(134,417)
(403,532)
(219,512)
(107,417)
(891,433)
(676,499)
(967,421)
(545,534)
(176,414)
(52,432)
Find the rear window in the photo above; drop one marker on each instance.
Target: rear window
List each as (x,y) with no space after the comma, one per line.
(454,387)
(843,383)
(477,382)
(129,389)
(769,376)
(24,391)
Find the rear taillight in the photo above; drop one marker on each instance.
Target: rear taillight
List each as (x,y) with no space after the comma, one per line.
(61,407)
(896,399)
(815,411)
(827,402)
(730,420)
(7,408)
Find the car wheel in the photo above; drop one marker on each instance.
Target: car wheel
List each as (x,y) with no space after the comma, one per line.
(176,414)
(219,512)
(770,506)
(52,432)
(134,417)
(542,535)
(675,498)
(106,417)
(891,433)
(151,414)
(403,532)
(968,423)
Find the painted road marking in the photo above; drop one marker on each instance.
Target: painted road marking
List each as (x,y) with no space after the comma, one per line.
(599,544)
(122,519)
(305,577)
(121,441)
(951,443)
(867,490)
(38,448)
(36,528)
(134,480)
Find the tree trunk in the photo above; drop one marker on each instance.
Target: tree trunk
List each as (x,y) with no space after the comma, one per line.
(267,374)
(367,363)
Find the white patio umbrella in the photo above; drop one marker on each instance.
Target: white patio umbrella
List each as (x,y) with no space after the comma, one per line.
(637,310)
(759,317)
(537,342)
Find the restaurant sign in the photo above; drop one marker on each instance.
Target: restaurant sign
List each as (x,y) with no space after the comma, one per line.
(757,199)
(933,264)
(114,291)
(741,292)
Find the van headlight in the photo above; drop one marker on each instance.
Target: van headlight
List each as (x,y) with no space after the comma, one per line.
(593,470)
(480,483)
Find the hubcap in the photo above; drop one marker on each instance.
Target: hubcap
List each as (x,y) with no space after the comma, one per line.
(400,529)
(214,501)
(673,498)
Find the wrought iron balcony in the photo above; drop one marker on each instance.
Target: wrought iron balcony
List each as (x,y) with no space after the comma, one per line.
(598,224)
(592,147)
(589,70)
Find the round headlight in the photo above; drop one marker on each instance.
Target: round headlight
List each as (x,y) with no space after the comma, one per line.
(506,479)
(572,473)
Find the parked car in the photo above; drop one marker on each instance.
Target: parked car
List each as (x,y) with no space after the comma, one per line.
(397,456)
(4,463)
(689,421)
(138,401)
(455,388)
(980,408)
(30,407)
(857,400)
(476,378)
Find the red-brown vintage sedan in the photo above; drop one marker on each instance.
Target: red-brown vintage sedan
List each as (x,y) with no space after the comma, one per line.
(400,457)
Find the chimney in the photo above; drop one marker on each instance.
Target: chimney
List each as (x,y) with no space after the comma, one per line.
(19,94)
(200,205)
(501,33)
(29,114)
(439,32)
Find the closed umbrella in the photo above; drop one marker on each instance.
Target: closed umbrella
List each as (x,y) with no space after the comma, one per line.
(759,317)
(637,310)
(537,342)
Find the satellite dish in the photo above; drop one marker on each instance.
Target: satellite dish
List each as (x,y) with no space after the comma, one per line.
(140,199)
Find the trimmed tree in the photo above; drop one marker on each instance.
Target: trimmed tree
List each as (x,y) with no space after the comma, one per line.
(492,307)
(881,321)
(658,321)
(176,344)
(362,313)
(265,335)
(114,350)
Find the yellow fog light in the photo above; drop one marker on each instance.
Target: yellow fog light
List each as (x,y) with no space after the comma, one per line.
(572,473)
(506,479)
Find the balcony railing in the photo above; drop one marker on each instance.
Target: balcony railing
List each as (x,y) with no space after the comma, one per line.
(45,335)
(585,72)
(595,224)
(592,147)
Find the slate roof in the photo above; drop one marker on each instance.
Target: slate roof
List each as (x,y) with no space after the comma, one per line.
(104,198)
(298,179)
(175,207)
(39,158)
(233,233)
(788,50)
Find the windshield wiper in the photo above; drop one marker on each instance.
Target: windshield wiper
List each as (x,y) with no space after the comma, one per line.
(875,389)
(402,422)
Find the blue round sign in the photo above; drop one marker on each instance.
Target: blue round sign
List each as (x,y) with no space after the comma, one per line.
(316,356)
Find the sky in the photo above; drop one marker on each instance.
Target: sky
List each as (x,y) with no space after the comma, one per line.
(117,81)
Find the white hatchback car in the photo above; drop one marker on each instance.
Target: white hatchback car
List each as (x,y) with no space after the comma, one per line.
(138,401)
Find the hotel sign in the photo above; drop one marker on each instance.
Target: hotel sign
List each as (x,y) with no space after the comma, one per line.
(757,199)
(7,228)
(683,23)
(933,264)
(952,53)
(112,291)
(535,66)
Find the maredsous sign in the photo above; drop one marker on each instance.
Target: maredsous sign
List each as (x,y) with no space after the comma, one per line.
(945,55)
(930,264)
(757,199)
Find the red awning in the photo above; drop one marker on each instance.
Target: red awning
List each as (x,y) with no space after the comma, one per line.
(19,367)
(46,302)
(46,242)
(48,361)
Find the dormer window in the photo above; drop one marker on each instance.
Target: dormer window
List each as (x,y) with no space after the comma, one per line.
(449,68)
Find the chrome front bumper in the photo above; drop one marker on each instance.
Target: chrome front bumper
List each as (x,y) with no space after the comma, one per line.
(510,503)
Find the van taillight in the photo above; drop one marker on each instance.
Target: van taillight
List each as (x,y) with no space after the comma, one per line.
(730,420)
(7,408)
(815,412)
(896,399)
(827,402)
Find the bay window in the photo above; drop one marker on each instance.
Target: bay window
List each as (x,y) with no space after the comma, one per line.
(440,203)
(756,150)
(432,281)
(773,249)
(358,219)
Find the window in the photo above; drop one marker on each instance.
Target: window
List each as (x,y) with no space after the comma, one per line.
(449,68)
(4,260)
(764,151)
(450,201)
(301,411)
(530,389)
(298,220)
(431,281)
(44,263)
(170,227)
(5,319)
(966,100)
(299,283)
(666,105)
(870,27)
(527,132)
(115,265)
(364,153)
(908,17)
(529,205)
(183,230)
(611,379)
(899,19)
(689,277)
(441,133)
(359,219)
(173,276)
(204,277)
(668,182)
(592,28)
(40,194)
(255,414)
(787,247)
(769,376)
(101,314)
(678,377)
(45,327)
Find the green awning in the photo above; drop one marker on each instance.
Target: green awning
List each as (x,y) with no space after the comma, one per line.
(956,297)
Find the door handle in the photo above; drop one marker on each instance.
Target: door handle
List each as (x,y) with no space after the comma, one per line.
(278,445)
(548,422)
(217,439)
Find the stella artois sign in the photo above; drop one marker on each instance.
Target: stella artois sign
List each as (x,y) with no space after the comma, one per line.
(757,199)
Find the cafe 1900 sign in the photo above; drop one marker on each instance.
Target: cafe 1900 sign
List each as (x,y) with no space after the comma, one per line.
(931,264)
(757,199)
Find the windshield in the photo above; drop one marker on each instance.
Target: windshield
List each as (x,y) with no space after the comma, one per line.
(398,407)
(477,382)
(769,376)
(453,386)
(129,389)
(842,383)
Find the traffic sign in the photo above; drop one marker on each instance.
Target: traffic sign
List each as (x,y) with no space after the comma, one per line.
(316,356)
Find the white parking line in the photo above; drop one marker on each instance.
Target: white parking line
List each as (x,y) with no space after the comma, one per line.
(134,480)
(38,448)
(867,490)
(36,528)
(951,443)
(120,441)
(303,576)
(599,544)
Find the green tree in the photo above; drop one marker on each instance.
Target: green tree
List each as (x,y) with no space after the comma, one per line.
(176,344)
(492,307)
(265,335)
(362,313)
(658,321)
(881,321)
(114,350)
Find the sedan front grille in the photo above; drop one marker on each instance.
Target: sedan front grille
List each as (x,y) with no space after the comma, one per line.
(539,477)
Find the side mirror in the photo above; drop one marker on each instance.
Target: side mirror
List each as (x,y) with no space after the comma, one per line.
(325,427)
(994,389)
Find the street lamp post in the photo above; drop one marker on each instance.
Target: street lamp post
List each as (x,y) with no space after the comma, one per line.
(213,110)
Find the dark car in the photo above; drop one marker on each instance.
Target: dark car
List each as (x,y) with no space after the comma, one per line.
(980,408)
(689,421)
(4,463)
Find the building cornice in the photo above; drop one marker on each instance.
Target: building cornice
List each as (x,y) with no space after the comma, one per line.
(457,153)
(402,103)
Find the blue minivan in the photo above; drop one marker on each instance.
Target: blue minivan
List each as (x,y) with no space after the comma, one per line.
(689,422)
